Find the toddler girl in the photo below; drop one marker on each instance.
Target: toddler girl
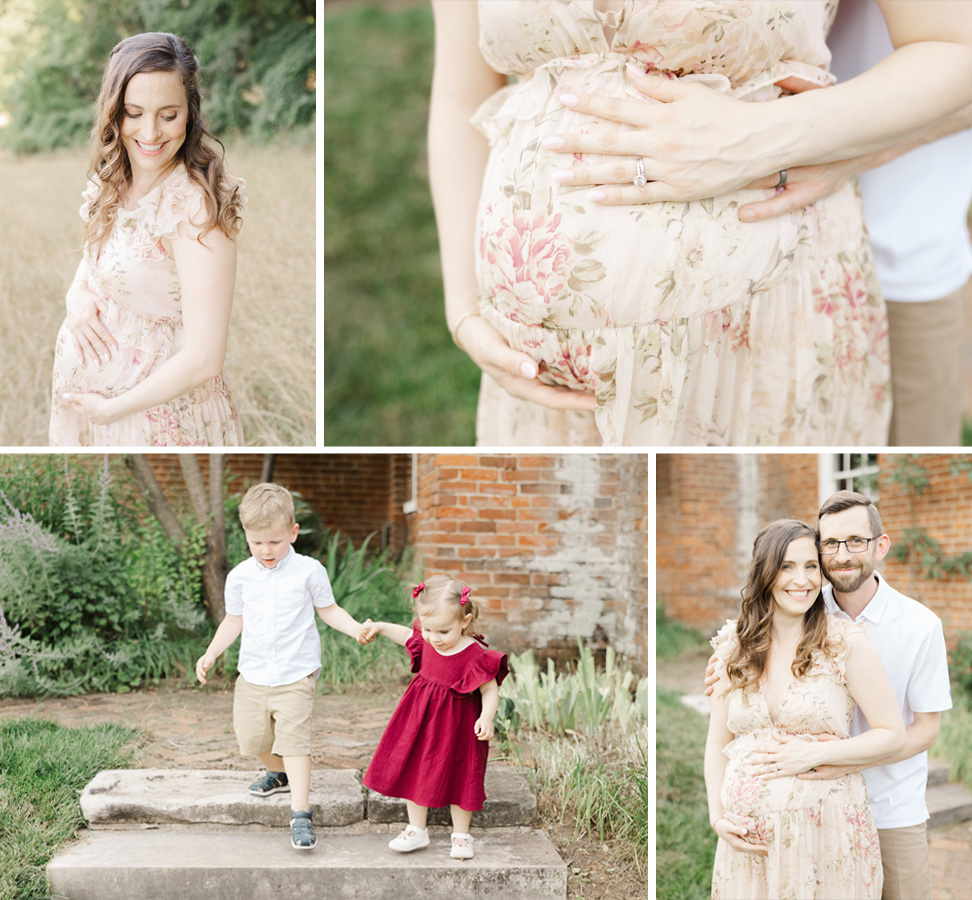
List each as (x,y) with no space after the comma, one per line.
(445,716)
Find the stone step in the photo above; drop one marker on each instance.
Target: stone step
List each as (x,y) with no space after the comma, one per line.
(117,797)
(510,802)
(948,803)
(108,865)
(137,797)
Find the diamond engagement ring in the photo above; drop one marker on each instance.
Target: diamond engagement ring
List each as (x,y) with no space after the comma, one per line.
(639,180)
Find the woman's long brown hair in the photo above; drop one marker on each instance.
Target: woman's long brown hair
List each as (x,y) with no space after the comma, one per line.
(747,661)
(110,166)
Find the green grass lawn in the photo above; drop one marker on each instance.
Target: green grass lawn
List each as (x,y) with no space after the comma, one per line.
(391,373)
(43,769)
(686,844)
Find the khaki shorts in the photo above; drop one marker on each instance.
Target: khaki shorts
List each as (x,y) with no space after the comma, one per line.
(274,719)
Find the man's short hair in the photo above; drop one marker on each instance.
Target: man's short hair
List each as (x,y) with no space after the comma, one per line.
(263,505)
(842,500)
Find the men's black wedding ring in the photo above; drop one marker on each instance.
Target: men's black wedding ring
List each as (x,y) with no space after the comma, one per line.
(639,180)
(782,180)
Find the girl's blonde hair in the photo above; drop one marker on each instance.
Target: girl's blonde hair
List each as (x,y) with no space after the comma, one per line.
(110,167)
(443,591)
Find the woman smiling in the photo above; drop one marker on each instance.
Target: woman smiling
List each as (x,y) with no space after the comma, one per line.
(139,358)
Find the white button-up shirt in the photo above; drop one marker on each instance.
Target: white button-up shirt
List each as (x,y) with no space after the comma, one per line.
(280,642)
(909,639)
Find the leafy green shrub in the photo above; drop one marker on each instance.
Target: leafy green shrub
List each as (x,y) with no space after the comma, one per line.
(93,597)
(258,60)
(961,667)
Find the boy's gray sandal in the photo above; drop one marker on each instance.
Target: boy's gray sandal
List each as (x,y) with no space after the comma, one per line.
(302,834)
(271,783)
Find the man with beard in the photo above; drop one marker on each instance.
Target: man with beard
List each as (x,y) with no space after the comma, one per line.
(910,641)
(909,638)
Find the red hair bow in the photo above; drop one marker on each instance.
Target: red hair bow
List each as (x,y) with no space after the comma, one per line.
(465,596)
(418,590)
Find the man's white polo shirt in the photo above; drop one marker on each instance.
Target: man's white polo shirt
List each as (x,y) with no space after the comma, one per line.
(910,642)
(280,642)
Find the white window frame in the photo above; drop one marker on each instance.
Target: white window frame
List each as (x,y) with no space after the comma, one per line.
(834,469)
(411,505)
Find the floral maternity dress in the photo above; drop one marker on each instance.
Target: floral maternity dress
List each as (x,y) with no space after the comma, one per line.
(136,276)
(690,327)
(823,844)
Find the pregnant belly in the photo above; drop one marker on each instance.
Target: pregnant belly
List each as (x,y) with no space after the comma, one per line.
(550,257)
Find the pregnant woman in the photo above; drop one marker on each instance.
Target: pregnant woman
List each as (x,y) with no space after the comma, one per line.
(789,672)
(138,360)
(594,263)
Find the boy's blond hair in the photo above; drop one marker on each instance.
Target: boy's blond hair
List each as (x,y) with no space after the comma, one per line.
(263,505)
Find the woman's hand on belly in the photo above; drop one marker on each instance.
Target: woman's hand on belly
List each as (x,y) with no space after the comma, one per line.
(694,143)
(97,409)
(514,371)
(735,837)
(92,340)
(790,756)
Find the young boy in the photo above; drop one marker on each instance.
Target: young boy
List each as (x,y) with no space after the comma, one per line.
(270,600)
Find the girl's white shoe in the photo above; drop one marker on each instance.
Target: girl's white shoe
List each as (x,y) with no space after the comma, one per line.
(410,839)
(462,846)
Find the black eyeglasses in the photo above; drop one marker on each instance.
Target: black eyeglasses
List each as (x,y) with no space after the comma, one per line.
(853,545)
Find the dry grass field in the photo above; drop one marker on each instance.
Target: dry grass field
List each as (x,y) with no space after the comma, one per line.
(272,345)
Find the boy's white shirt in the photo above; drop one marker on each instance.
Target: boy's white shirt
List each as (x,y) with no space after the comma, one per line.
(280,643)
(909,639)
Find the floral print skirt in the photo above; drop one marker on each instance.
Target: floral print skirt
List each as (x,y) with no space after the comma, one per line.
(689,326)
(822,841)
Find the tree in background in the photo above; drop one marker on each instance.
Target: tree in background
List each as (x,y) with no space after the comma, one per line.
(258,62)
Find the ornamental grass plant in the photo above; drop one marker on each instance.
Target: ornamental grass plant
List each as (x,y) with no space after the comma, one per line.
(587,732)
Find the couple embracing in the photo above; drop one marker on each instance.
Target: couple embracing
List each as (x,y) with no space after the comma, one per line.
(825,699)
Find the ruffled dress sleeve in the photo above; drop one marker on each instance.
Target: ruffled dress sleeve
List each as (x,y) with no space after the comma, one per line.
(414,646)
(834,663)
(723,644)
(181,200)
(88,195)
(485,666)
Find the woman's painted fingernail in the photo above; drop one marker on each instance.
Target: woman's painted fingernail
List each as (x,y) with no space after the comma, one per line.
(747,215)
(596,195)
(528,370)
(553,143)
(568,99)
(564,176)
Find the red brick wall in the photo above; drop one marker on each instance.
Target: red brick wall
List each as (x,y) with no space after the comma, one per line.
(355,493)
(708,512)
(944,510)
(542,538)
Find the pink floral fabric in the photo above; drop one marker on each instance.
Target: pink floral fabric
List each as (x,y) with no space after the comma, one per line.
(823,844)
(690,327)
(136,276)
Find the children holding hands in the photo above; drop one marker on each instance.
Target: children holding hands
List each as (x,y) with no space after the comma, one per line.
(271,599)
(433,752)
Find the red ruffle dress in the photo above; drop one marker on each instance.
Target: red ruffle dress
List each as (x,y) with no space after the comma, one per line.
(429,753)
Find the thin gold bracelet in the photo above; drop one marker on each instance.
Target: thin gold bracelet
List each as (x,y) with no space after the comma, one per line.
(455,331)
